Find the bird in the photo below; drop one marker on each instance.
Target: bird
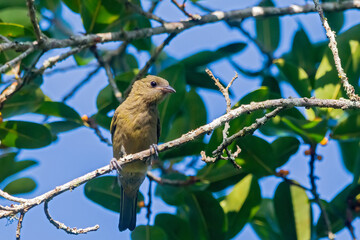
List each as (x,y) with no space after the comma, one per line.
(135,127)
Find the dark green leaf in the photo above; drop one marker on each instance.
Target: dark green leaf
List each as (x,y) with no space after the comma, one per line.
(62,126)
(265,223)
(206,216)
(293,212)
(175,227)
(148,233)
(241,204)
(284,148)
(21,185)
(268,29)
(59,109)
(105,191)
(28,99)
(170,194)
(348,128)
(350,152)
(74,5)
(24,134)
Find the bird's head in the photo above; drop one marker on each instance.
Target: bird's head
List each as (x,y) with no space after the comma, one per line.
(151,89)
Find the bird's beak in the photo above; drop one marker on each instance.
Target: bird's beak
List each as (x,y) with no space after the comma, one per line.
(167,89)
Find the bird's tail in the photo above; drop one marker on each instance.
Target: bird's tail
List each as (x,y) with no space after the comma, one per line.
(128,206)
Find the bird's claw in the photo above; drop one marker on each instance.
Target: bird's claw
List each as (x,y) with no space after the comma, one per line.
(154,151)
(115,165)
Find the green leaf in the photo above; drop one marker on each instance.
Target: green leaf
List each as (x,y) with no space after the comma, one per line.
(296,76)
(74,5)
(335,19)
(105,191)
(28,99)
(265,223)
(59,109)
(176,77)
(13,30)
(284,148)
(148,233)
(21,185)
(170,194)
(17,15)
(62,126)
(83,57)
(21,134)
(241,204)
(175,227)
(206,216)
(268,29)
(9,166)
(350,154)
(10,4)
(348,128)
(293,211)
(135,22)
(207,57)
(220,175)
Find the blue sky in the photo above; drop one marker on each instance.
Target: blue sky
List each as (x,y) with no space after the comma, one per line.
(80,151)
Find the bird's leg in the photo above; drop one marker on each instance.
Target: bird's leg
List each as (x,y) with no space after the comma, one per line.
(154,151)
(115,165)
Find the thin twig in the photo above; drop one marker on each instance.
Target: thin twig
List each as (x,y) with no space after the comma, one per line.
(181,7)
(153,6)
(148,206)
(109,74)
(188,137)
(148,15)
(11,198)
(14,61)
(247,130)
(315,194)
(80,84)
(19,225)
(91,123)
(62,226)
(152,59)
(177,183)
(34,22)
(4,39)
(349,89)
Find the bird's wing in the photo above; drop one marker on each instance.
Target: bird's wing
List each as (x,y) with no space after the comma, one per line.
(113,126)
(158,130)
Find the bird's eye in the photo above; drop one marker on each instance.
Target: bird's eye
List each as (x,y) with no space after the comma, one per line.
(153,84)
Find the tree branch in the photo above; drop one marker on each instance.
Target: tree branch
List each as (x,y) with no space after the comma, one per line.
(14,61)
(34,22)
(349,89)
(190,136)
(177,27)
(62,226)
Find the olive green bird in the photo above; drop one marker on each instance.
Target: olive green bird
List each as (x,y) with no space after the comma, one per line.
(135,127)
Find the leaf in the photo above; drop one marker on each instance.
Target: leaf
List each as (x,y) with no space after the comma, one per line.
(268,29)
(172,195)
(350,154)
(335,19)
(74,5)
(293,211)
(62,126)
(17,15)
(83,57)
(241,204)
(205,224)
(265,223)
(9,165)
(175,227)
(21,185)
(348,128)
(13,30)
(21,134)
(148,233)
(105,191)
(28,99)
(59,109)
(296,76)
(284,148)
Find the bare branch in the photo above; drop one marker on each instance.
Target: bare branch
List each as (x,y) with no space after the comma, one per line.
(62,226)
(349,89)
(177,27)
(34,22)
(109,74)
(4,39)
(178,183)
(181,7)
(190,136)
(11,198)
(14,61)
(19,225)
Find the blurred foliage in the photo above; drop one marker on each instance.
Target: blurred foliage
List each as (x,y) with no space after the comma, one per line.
(224,199)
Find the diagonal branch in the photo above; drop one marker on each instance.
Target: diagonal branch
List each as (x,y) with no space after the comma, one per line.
(34,22)
(349,89)
(148,15)
(14,61)
(190,136)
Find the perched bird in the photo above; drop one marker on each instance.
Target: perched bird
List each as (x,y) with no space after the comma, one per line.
(135,127)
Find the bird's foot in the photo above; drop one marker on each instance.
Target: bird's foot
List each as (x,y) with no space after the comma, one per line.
(154,151)
(115,165)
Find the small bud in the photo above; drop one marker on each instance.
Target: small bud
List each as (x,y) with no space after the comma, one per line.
(85,118)
(319,157)
(307,152)
(324,141)
(282,173)
(141,204)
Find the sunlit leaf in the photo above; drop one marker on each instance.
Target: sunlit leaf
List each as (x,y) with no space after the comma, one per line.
(21,185)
